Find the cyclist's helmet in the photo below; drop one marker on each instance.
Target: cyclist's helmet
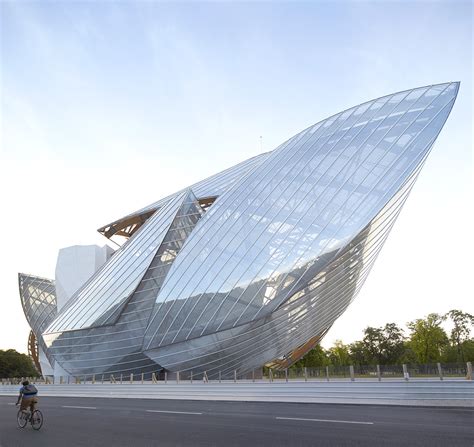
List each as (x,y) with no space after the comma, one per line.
(25,383)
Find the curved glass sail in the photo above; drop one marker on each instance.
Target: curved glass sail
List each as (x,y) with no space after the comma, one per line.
(295,212)
(263,271)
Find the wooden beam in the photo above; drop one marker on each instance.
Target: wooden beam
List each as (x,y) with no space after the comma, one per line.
(33,351)
(297,353)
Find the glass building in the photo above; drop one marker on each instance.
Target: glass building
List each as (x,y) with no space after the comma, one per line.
(253,265)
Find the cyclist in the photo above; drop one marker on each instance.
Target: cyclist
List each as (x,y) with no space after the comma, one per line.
(27,396)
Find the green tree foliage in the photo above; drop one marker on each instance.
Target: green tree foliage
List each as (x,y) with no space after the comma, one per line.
(339,354)
(14,364)
(427,338)
(383,346)
(461,343)
(317,357)
(388,345)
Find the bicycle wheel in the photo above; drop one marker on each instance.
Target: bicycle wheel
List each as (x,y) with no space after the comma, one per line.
(22,418)
(37,420)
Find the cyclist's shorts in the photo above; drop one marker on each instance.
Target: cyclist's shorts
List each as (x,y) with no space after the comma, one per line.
(28,402)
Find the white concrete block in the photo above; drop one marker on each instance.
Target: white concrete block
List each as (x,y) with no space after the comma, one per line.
(75,265)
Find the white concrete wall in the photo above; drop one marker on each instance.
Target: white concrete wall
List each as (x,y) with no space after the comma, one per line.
(75,265)
(46,369)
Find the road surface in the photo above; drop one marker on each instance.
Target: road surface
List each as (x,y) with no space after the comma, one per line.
(91,422)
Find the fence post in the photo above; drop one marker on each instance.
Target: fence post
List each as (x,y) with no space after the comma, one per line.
(131,378)
(253,375)
(305,373)
(351,372)
(327,373)
(235,376)
(406,376)
(166,376)
(121,377)
(469,371)
(68,378)
(102,379)
(191,377)
(177,377)
(143,377)
(440,371)
(379,375)
(93,379)
(270,375)
(53,380)
(220,376)
(286,374)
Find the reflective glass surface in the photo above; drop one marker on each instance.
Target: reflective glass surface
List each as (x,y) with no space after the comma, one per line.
(271,264)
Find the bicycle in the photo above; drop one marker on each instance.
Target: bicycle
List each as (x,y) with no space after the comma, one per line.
(25,416)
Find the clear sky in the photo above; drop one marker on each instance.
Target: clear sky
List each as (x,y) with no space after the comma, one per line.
(109,106)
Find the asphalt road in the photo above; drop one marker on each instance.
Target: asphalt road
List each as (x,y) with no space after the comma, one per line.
(102,422)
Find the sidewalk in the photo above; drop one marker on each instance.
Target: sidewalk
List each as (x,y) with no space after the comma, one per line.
(447,393)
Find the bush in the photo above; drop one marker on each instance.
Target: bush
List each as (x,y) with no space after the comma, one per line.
(14,364)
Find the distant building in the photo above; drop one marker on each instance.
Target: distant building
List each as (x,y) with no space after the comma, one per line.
(249,267)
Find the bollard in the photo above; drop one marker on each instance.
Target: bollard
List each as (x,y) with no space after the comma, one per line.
(270,375)
(68,378)
(327,373)
(60,380)
(177,377)
(131,378)
(379,375)
(85,380)
(102,379)
(351,372)
(235,376)
(143,377)
(220,377)
(286,375)
(305,373)
(191,377)
(121,377)
(153,378)
(53,380)
(253,375)
(93,379)
(440,371)
(469,371)
(166,376)
(406,376)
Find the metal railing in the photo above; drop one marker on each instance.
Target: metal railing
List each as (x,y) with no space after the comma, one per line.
(436,371)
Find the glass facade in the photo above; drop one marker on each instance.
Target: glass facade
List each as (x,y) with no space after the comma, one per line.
(38,299)
(249,265)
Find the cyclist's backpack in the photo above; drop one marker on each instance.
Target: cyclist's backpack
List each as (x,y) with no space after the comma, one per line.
(29,390)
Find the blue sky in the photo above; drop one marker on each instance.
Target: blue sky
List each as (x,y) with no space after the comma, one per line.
(108,106)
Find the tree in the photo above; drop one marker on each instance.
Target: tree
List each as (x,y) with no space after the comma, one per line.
(462,325)
(339,354)
(315,358)
(359,354)
(14,364)
(428,339)
(393,347)
(382,345)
